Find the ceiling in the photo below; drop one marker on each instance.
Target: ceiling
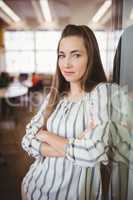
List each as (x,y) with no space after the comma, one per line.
(63,12)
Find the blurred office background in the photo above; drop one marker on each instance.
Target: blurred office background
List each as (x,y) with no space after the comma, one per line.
(29,34)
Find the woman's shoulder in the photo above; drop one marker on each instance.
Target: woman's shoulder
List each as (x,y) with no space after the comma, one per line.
(105,86)
(43,103)
(103,90)
(110,91)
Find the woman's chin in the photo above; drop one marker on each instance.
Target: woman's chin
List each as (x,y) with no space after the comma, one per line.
(69,79)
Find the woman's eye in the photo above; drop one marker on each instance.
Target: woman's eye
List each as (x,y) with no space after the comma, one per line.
(77,55)
(61,56)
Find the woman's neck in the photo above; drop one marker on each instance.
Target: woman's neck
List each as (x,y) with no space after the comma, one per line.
(75,91)
(75,88)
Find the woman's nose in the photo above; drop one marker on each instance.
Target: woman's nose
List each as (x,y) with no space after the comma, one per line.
(67,63)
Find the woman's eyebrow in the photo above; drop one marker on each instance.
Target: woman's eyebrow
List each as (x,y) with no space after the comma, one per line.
(73,51)
(61,52)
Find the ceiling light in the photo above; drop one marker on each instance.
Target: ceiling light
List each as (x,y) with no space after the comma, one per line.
(9,11)
(102,10)
(46,10)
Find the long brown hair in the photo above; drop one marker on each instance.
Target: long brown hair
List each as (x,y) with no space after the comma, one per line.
(94,72)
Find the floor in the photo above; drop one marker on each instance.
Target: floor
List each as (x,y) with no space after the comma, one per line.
(14,162)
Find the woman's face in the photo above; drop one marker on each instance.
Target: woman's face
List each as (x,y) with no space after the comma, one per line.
(72,58)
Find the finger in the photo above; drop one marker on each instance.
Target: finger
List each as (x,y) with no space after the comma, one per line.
(39,136)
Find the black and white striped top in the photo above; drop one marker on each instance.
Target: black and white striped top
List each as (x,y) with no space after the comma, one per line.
(77,176)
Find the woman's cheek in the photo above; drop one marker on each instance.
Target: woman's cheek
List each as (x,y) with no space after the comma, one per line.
(61,69)
(60,65)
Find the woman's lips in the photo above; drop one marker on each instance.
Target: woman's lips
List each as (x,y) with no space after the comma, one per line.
(68,73)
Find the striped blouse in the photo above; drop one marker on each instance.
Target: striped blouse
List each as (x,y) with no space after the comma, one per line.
(77,176)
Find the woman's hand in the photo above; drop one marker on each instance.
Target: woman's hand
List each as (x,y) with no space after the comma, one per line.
(55,141)
(42,135)
(88,130)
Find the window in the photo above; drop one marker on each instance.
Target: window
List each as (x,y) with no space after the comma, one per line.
(107,42)
(31,51)
(35,51)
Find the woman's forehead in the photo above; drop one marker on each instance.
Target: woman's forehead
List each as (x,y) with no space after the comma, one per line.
(72,43)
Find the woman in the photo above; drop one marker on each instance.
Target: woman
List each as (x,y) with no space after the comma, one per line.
(69,136)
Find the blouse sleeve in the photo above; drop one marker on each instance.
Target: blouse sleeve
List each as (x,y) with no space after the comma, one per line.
(94,147)
(29,143)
